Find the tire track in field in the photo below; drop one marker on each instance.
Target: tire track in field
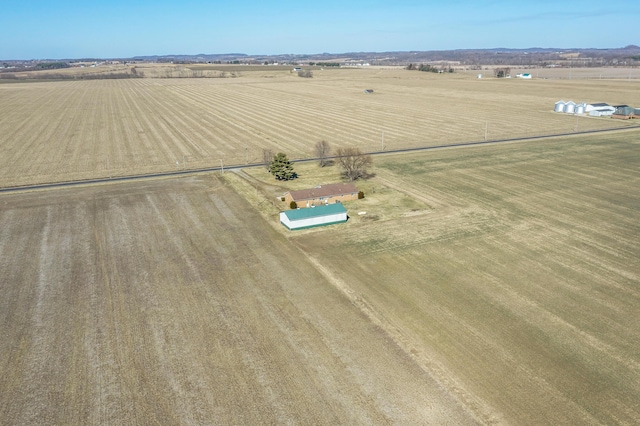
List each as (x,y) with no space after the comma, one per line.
(482,412)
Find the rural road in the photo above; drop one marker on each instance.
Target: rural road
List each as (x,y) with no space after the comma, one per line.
(241,166)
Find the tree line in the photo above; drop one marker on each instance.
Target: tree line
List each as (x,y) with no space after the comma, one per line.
(51,65)
(325,64)
(428,68)
(59,76)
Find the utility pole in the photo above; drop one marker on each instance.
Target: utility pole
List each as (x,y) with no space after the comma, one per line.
(246,154)
(486,127)
(221,167)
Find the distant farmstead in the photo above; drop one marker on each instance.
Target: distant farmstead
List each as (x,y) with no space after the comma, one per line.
(323,194)
(313,217)
(600,109)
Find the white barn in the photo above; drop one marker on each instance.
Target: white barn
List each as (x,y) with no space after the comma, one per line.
(599,105)
(600,109)
(314,216)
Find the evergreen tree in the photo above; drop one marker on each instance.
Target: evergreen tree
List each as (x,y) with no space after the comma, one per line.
(281,167)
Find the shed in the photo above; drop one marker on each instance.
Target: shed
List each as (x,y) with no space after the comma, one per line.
(601,112)
(624,112)
(313,216)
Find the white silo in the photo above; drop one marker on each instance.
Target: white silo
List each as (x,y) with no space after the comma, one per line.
(570,107)
(559,106)
(581,108)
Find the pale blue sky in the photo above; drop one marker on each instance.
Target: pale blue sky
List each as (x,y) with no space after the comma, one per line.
(39,29)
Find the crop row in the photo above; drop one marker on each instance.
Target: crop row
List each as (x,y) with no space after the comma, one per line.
(80,129)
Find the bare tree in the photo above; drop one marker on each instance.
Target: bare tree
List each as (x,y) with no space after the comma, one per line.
(267,158)
(323,150)
(353,162)
(502,72)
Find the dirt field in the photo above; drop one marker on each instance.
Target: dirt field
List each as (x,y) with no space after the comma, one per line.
(493,284)
(67,130)
(173,302)
(516,282)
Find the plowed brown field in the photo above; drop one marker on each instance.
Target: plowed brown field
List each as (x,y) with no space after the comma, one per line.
(172,302)
(67,130)
(518,280)
(493,284)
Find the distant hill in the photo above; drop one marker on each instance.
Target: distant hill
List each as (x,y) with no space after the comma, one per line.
(627,55)
(538,56)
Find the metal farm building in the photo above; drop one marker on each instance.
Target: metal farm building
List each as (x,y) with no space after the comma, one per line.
(314,216)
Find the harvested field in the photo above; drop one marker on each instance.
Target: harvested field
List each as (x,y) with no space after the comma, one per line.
(493,284)
(68,130)
(517,284)
(173,302)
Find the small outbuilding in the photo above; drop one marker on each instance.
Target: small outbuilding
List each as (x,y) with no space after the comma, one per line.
(624,112)
(601,112)
(312,217)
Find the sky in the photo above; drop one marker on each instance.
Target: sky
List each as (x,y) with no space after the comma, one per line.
(52,29)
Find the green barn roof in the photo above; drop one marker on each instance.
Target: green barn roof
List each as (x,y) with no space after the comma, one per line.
(310,212)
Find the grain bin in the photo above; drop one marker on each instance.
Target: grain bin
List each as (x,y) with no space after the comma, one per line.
(559,106)
(581,108)
(570,107)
